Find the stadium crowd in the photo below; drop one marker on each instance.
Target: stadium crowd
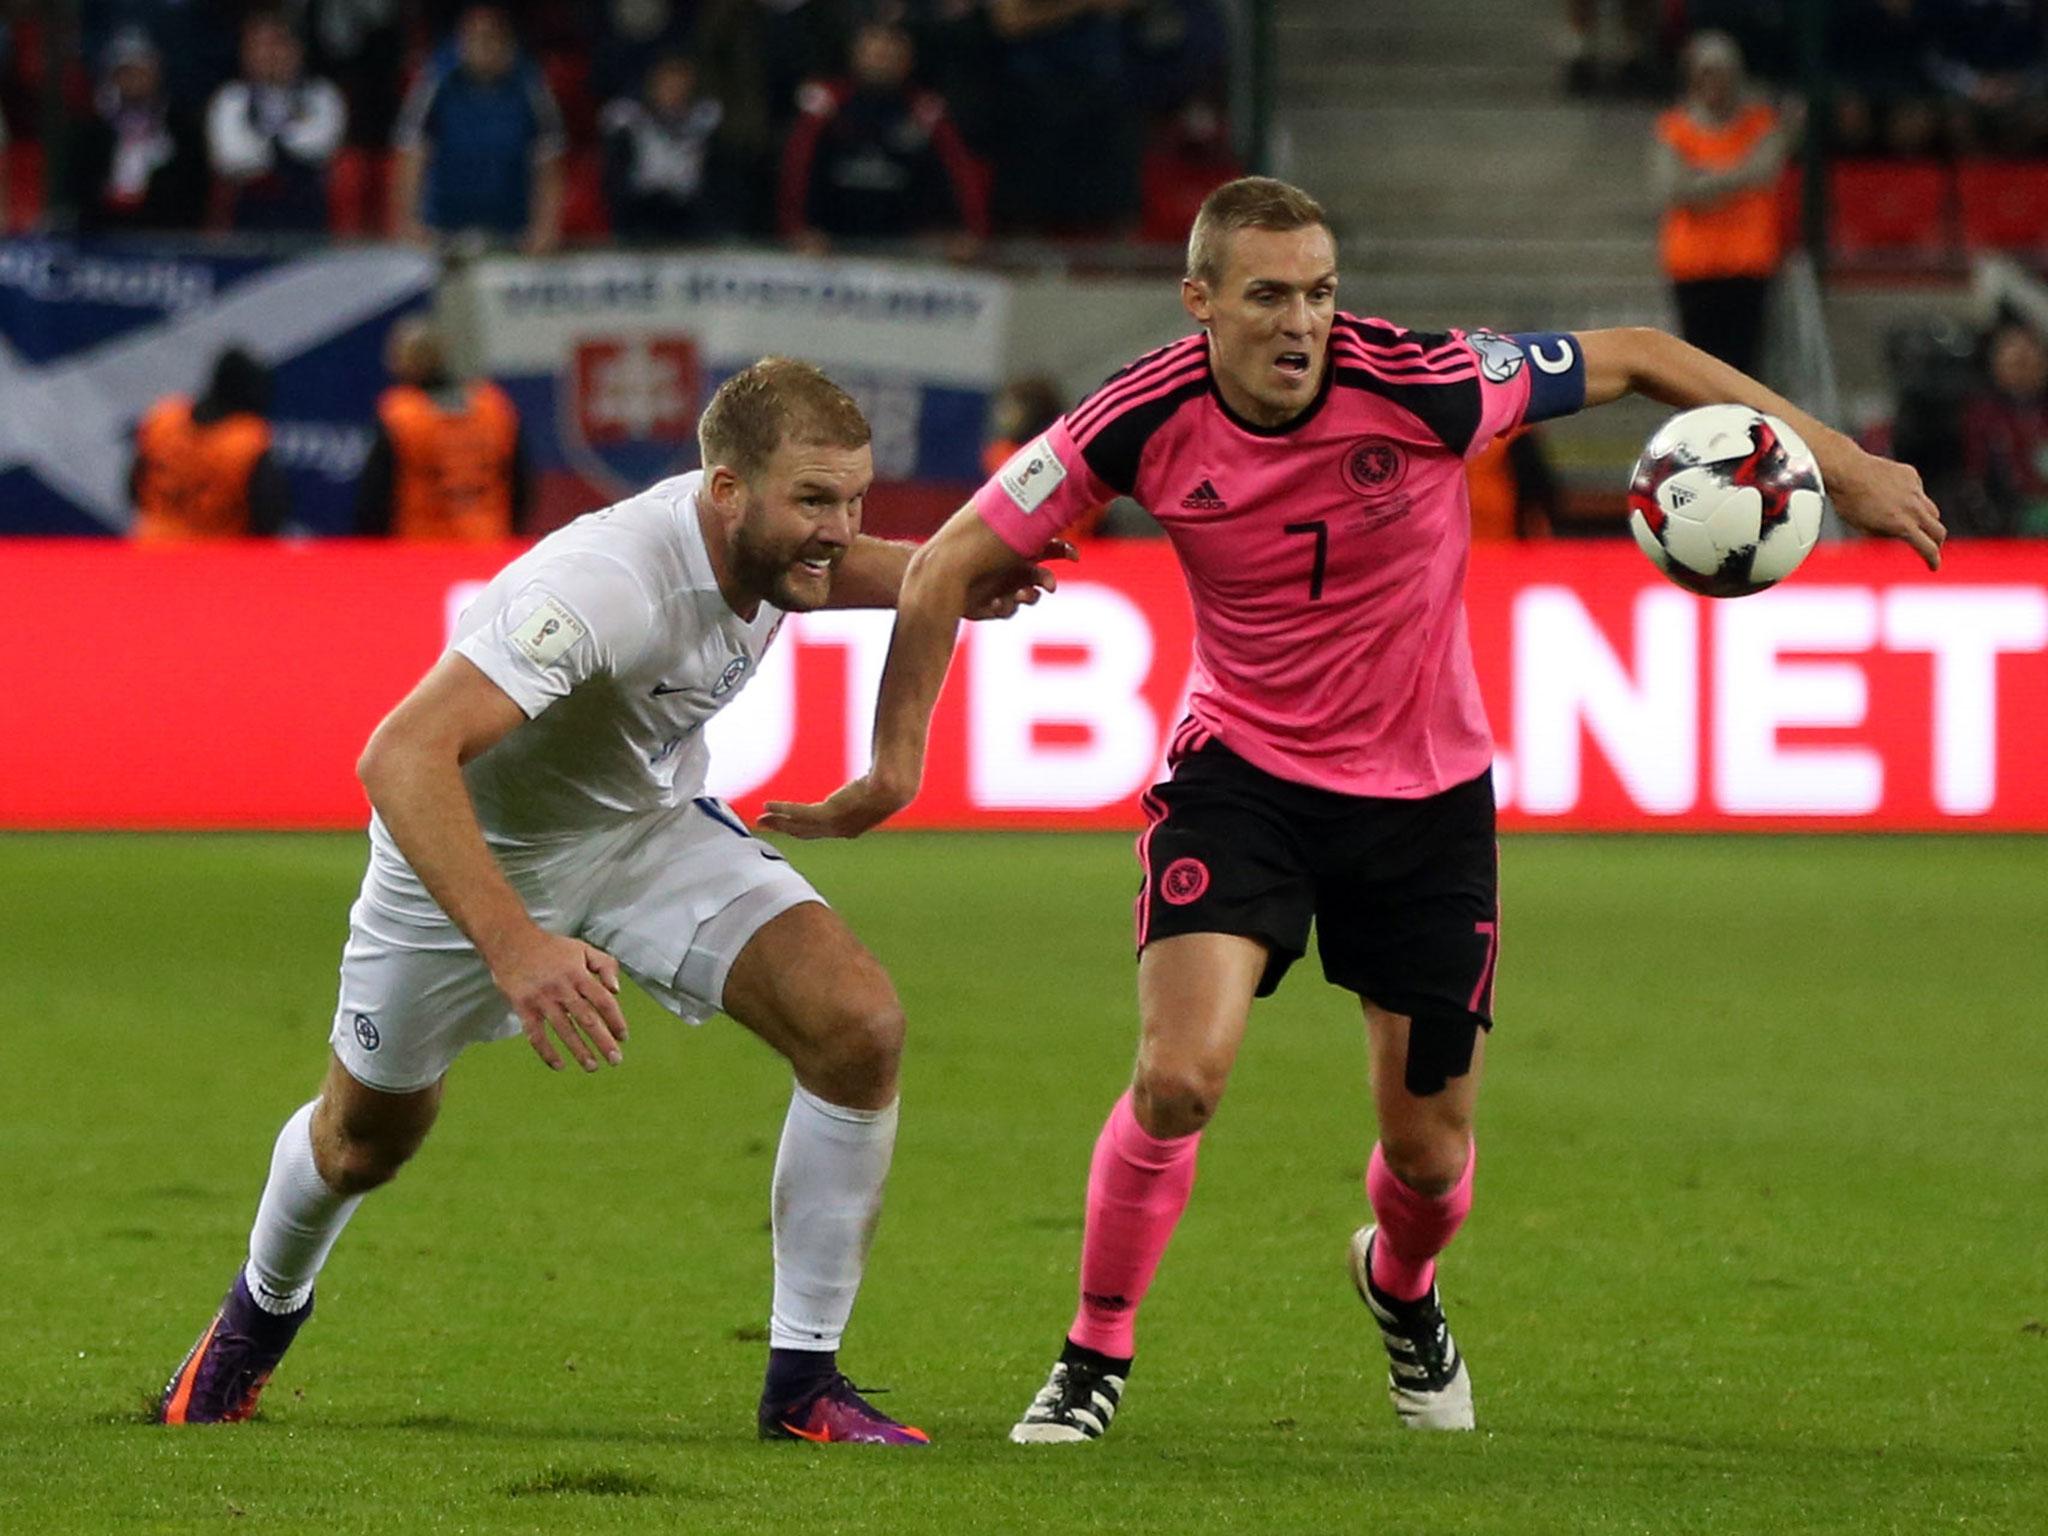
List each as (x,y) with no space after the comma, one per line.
(1908,77)
(818,122)
(843,124)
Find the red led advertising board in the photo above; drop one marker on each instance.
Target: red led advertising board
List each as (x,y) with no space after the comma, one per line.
(234,687)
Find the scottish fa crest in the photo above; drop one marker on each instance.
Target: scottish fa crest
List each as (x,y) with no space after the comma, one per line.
(629,409)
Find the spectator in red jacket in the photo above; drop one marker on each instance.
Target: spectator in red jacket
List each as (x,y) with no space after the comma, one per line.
(2005,438)
(875,157)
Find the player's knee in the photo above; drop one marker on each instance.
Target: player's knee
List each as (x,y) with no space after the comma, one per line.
(1177,1098)
(354,1165)
(862,1049)
(356,1153)
(1429,1160)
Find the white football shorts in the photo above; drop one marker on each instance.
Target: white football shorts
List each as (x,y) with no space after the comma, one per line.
(673,896)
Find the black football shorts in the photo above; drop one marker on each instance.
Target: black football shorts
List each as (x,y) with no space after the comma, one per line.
(1404,895)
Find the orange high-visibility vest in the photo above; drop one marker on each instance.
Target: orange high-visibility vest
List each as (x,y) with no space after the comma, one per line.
(1495,498)
(192,481)
(1738,235)
(451,471)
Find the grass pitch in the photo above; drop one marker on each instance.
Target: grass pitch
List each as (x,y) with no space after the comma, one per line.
(1759,1244)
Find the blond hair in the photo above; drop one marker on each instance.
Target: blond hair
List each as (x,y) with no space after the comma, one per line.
(1250,202)
(771,402)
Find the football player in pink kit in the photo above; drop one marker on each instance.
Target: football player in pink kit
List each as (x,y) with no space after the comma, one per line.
(1335,765)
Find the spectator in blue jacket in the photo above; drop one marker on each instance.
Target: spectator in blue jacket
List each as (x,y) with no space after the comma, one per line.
(479,143)
(1066,161)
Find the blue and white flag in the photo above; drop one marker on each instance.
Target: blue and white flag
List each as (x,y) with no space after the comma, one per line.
(91,335)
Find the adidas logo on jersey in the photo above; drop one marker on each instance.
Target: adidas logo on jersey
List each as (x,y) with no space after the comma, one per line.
(1203,498)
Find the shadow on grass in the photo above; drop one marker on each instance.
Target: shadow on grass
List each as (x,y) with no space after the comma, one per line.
(140,1409)
(513,1431)
(555,1482)
(143,1412)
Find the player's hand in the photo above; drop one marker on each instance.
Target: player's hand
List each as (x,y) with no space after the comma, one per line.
(854,808)
(1001,593)
(1883,497)
(562,984)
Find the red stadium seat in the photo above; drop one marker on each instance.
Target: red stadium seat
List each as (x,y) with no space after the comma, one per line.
(24,205)
(1792,207)
(345,192)
(568,77)
(584,215)
(1185,159)
(1890,209)
(359,192)
(2004,204)
(981,176)
(1174,185)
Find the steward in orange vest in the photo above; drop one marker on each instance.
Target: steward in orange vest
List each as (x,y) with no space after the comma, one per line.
(203,470)
(1513,490)
(1719,155)
(447,462)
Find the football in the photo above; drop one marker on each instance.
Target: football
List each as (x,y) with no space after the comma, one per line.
(1725,500)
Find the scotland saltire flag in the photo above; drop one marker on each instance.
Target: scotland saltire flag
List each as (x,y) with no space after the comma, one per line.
(92,334)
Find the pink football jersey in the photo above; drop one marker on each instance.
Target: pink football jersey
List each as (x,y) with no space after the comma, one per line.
(1325,558)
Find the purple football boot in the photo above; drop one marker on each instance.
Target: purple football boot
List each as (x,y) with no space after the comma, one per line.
(835,1414)
(220,1381)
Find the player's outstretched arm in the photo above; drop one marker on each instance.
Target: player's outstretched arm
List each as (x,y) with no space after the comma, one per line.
(871,576)
(1874,495)
(412,769)
(939,589)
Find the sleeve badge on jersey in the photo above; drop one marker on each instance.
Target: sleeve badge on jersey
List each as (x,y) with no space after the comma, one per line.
(547,633)
(1500,357)
(1033,473)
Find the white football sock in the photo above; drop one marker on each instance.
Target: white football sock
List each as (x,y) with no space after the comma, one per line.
(297,1221)
(829,1174)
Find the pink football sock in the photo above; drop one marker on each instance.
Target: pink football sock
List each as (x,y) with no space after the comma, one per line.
(1414,1227)
(1137,1187)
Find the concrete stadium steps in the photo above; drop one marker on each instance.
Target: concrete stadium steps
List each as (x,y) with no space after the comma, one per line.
(1429,126)
(1468,189)
(1506,283)
(1501,34)
(1556,170)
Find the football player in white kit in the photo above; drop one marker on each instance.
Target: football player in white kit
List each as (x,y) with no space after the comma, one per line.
(541,826)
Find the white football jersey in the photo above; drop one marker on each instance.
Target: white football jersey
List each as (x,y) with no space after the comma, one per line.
(612,635)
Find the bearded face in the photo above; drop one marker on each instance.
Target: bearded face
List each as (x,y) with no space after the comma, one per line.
(795,522)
